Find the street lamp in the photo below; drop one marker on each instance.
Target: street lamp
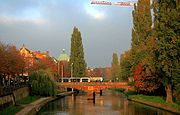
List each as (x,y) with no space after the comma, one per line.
(62,73)
(71,70)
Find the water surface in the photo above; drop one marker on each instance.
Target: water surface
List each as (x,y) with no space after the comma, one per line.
(111,103)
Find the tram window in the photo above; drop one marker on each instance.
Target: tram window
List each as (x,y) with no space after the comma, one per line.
(78,80)
(84,80)
(65,80)
(73,80)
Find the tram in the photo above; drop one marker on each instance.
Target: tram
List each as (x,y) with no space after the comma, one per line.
(82,79)
(75,79)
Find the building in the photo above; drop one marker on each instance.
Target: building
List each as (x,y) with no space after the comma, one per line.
(63,56)
(96,73)
(64,68)
(31,57)
(27,53)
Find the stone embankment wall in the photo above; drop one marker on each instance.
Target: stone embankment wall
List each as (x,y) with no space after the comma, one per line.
(5,101)
(21,93)
(18,94)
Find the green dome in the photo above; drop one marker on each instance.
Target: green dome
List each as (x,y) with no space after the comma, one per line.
(63,56)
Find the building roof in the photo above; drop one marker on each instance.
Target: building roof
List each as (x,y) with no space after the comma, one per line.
(25,51)
(63,56)
(36,54)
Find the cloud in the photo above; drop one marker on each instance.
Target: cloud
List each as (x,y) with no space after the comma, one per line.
(24,11)
(8,20)
(94,12)
(99,15)
(25,15)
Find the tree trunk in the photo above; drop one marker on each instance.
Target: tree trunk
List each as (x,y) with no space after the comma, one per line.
(169,94)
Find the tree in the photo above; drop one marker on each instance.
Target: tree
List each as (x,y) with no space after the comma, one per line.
(141,31)
(77,61)
(44,63)
(11,62)
(115,67)
(125,66)
(145,78)
(42,83)
(168,41)
(143,56)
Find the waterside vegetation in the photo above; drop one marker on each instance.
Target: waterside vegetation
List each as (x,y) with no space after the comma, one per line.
(11,110)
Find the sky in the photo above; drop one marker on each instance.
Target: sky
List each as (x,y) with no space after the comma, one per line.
(47,25)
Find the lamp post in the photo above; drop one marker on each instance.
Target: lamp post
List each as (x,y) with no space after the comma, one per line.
(71,70)
(62,73)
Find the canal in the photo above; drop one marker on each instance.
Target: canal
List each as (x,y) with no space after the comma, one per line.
(111,103)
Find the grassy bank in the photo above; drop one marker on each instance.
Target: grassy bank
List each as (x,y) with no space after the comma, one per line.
(27,100)
(127,93)
(155,99)
(10,110)
(19,105)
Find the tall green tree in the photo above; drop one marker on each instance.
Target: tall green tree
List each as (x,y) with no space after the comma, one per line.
(143,48)
(142,22)
(115,67)
(168,50)
(77,61)
(125,66)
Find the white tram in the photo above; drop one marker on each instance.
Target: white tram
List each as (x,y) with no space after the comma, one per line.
(82,79)
(75,79)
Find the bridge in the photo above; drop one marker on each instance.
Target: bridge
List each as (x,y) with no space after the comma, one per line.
(92,87)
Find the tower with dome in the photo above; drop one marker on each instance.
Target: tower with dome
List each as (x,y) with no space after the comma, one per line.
(63,56)
(63,60)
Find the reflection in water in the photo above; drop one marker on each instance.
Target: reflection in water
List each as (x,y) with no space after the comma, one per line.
(111,103)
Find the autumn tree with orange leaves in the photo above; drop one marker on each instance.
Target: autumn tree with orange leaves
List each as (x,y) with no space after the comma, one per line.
(12,63)
(145,79)
(44,63)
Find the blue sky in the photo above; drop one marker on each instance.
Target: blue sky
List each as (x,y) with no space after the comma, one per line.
(47,25)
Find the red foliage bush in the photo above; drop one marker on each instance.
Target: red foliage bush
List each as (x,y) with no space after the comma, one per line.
(145,79)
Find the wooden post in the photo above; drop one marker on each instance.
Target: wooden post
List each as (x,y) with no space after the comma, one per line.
(94,95)
(100,92)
